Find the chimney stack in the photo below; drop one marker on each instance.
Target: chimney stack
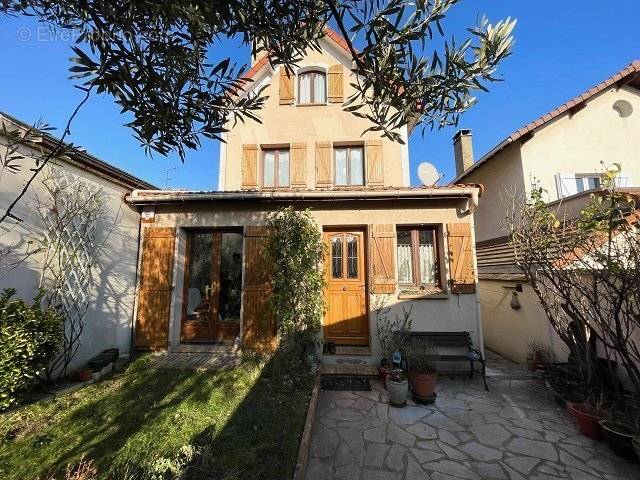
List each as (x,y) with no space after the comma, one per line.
(463,150)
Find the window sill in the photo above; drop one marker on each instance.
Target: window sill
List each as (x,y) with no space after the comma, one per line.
(311,104)
(422,294)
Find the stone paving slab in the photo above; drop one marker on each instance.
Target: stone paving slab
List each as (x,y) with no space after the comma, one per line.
(513,432)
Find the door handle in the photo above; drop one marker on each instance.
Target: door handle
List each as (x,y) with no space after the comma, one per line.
(344,289)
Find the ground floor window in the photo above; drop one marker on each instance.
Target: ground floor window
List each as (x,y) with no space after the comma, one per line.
(418,257)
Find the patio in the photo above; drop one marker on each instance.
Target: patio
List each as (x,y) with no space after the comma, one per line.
(513,432)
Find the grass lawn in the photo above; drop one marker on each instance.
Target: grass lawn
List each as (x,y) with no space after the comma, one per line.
(244,423)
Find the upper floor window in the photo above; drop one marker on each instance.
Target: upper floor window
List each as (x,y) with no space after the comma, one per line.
(568,184)
(587,182)
(418,257)
(312,87)
(275,168)
(348,165)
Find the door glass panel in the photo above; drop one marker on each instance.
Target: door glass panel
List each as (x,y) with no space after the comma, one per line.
(405,270)
(427,252)
(199,275)
(230,277)
(357,176)
(336,257)
(283,168)
(352,257)
(269,169)
(341,166)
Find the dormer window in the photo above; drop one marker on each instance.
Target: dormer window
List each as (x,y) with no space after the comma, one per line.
(312,88)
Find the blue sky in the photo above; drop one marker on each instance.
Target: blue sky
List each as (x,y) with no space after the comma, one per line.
(562,48)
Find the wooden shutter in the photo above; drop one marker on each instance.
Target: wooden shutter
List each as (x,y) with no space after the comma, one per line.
(286,87)
(336,88)
(323,164)
(373,155)
(462,275)
(155,290)
(382,258)
(258,324)
(298,165)
(249,166)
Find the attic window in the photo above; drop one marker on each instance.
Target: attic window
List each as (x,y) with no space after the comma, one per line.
(312,88)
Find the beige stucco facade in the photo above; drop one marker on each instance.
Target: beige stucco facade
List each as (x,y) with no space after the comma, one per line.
(444,311)
(108,320)
(286,124)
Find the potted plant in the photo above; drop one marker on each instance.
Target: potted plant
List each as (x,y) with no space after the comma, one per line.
(538,356)
(398,387)
(621,428)
(421,358)
(588,414)
(392,334)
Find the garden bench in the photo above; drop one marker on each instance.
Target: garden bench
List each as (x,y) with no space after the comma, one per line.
(460,340)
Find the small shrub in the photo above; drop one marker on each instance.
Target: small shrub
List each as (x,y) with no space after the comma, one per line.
(393,332)
(30,337)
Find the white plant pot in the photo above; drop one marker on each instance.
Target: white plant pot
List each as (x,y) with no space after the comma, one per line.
(398,392)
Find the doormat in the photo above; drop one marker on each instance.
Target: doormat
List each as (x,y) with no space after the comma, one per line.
(354,384)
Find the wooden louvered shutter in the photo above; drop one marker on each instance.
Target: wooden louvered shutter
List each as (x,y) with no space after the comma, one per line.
(336,88)
(258,324)
(462,275)
(155,289)
(286,87)
(249,166)
(298,165)
(373,156)
(323,164)
(382,258)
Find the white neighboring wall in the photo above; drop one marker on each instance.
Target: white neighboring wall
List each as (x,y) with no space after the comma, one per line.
(108,321)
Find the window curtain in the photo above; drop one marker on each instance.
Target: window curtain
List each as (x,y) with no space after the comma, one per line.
(405,274)
(283,168)
(341,166)
(428,269)
(357,170)
(304,96)
(269,169)
(319,88)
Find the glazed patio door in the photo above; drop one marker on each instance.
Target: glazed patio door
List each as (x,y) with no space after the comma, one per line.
(213,286)
(346,321)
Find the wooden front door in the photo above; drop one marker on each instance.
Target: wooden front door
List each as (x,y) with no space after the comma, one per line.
(346,320)
(213,287)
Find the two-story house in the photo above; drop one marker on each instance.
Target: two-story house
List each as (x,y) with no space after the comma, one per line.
(202,273)
(564,152)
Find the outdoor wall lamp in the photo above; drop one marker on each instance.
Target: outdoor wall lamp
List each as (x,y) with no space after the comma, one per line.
(515,300)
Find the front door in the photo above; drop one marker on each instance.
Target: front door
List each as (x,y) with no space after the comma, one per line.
(346,321)
(213,287)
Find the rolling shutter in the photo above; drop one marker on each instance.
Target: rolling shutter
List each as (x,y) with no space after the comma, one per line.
(374,162)
(462,275)
(286,87)
(249,166)
(323,164)
(258,324)
(336,84)
(298,165)
(381,252)
(154,293)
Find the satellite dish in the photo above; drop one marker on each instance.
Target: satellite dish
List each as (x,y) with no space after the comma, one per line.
(428,174)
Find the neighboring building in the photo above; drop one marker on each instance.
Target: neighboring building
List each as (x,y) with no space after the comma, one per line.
(564,151)
(109,318)
(202,274)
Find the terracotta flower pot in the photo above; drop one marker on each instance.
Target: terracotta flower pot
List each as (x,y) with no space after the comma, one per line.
(587,420)
(398,392)
(620,439)
(424,384)
(85,375)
